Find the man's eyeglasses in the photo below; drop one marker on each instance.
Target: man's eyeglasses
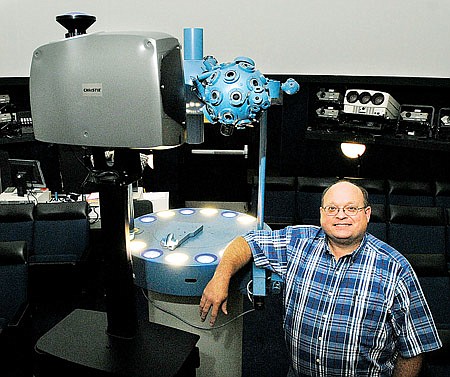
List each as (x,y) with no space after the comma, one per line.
(348,210)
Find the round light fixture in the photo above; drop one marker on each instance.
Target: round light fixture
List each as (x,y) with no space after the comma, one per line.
(152,253)
(353,150)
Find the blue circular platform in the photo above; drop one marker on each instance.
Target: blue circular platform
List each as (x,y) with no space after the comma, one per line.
(176,252)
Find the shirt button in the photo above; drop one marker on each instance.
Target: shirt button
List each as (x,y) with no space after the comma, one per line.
(330,293)
(318,361)
(320,338)
(324,316)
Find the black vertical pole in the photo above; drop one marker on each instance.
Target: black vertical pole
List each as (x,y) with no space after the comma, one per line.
(114,208)
(120,300)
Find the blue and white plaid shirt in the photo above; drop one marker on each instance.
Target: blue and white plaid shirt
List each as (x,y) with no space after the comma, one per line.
(350,317)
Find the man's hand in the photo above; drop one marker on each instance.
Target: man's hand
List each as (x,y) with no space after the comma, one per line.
(214,296)
(236,255)
(408,367)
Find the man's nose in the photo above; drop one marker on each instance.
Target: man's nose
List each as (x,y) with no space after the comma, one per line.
(341,213)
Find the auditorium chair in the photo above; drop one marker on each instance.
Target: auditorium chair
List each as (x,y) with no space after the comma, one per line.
(378,222)
(58,263)
(309,194)
(413,193)
(15,316)
(61,233)
(16,223)
(279,203)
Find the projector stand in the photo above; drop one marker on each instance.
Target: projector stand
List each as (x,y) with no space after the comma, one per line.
(114,343)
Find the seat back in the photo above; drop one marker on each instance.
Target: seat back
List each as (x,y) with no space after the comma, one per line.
(279,200)
(437,293)
(376,188)
(309,194)
(16,223)
(13,281)
(378,222)
(442,194)
(413,193)
(419,234)
(142,207)
(61,232)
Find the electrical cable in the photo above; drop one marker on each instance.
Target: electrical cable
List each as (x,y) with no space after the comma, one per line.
(191,324)
(31,193)
(82,163)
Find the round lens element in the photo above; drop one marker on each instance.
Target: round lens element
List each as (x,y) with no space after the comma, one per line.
(364,97)
(378,99)
(352,96)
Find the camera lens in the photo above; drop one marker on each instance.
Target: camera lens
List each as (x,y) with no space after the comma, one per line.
(352,96)
(378,99)
(364,97)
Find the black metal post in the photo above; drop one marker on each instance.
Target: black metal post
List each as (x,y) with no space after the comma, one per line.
(115,205)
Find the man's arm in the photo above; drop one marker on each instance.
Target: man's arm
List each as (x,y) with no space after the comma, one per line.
(408,367)
(215,295)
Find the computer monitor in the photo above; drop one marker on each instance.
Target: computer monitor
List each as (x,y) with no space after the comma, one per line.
(27,170)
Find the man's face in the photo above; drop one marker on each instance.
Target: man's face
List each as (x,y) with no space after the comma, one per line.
(342,228)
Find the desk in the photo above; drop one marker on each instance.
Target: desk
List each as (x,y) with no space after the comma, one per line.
(79,346)
(37,196)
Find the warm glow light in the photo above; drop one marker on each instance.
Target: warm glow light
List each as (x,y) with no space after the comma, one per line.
(166,214)
(205,258)
(229,214)
(353,150)
(177,258)
(246,219)
(137,245)
(147,219)
(152,253)
(208,211)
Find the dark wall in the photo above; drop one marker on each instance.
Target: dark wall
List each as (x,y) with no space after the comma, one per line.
(292,150)
(296,151)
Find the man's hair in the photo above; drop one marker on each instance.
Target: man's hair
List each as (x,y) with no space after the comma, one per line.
(362,189)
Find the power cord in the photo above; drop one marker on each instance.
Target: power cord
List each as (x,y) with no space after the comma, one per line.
(191,324)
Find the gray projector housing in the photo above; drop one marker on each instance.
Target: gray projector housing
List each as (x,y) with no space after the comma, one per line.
(109,89)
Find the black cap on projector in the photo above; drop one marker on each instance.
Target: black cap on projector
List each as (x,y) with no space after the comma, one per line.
(76,23)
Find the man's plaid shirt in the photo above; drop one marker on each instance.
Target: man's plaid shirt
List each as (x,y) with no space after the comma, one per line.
(350,317)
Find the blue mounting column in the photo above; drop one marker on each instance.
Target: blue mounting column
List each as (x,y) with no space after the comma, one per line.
(193,53)
(193,59)
(259,274)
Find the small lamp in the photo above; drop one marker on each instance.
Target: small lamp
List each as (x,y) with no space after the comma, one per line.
(353,150)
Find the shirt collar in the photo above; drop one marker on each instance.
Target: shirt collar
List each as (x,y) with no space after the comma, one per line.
(352,257)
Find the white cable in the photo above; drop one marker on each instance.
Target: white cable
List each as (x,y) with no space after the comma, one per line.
(191,324)
(31,194)
(249,292)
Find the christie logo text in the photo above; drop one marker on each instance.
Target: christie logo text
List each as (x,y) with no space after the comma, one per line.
(92,90)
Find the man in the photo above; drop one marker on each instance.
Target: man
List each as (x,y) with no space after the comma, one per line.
(353,305)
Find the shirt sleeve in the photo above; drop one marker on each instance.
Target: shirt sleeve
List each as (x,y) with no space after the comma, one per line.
(269,248)
(413,323)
